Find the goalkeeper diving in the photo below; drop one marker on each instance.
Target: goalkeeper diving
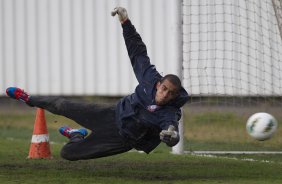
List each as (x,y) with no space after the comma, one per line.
(138,121)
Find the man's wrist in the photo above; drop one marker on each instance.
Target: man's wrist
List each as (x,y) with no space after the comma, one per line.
(124,21)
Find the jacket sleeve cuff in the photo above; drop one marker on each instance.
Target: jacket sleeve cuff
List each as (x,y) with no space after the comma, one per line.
(126,23)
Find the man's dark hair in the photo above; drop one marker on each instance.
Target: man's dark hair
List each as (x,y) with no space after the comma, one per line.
(174,79)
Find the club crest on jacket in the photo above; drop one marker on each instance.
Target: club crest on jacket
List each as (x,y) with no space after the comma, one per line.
(152,108)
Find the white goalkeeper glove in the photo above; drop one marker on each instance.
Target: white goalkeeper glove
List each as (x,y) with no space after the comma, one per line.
(169,136)
(122,14)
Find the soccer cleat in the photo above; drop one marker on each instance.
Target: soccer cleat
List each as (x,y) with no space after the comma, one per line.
(17,93)
(68,131)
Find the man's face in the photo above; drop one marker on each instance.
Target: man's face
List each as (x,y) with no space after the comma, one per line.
(166,91)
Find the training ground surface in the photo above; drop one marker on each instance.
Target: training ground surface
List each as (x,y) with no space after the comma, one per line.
(206,129)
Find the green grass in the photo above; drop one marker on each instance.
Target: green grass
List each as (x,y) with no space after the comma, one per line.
(204,131)
(132,167)
(225,131)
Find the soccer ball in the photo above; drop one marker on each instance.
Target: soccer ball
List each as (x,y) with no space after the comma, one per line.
(261,126)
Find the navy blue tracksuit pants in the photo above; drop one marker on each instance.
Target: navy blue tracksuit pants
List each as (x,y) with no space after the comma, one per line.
(104,139)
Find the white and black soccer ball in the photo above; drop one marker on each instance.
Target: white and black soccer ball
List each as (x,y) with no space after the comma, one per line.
(261,126)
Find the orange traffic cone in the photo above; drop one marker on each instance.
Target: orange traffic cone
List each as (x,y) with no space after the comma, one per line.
(40,147)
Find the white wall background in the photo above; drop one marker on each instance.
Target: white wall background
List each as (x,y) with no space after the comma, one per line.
(74,47)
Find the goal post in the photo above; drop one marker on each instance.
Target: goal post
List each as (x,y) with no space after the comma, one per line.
(178,22)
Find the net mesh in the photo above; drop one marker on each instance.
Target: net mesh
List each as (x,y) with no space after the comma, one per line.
(231,48)
(232,68)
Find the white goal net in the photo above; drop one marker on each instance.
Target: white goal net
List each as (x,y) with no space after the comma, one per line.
(232,60)
(232,48)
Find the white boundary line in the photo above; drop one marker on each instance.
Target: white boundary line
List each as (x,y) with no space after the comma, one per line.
(233,152)
(234,158)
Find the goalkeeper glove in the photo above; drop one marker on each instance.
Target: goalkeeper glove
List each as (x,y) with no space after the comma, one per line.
(170,136)
(122,14)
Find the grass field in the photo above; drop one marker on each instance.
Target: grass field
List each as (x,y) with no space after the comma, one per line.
(205,129)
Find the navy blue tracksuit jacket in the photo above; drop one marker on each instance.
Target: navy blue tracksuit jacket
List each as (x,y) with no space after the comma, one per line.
(139,119)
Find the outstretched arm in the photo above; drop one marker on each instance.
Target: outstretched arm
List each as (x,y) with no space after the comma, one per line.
(143,69)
